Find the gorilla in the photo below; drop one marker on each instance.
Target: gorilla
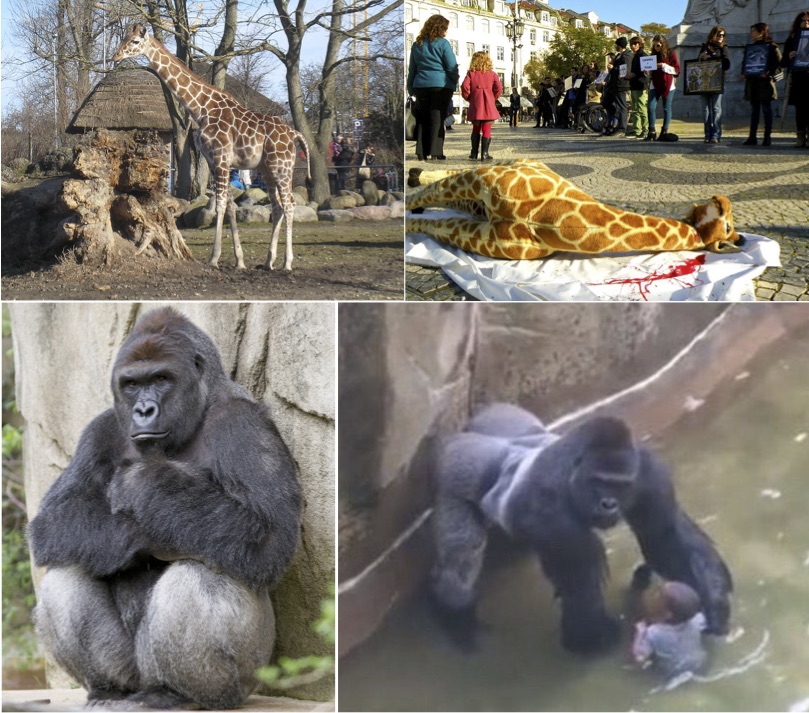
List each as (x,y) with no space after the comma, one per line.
(549,492)
(164,535)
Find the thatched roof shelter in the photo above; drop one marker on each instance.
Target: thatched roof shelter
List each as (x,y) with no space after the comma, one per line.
(132,98)
(125,99)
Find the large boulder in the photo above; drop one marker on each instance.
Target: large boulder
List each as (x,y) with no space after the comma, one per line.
(370,192)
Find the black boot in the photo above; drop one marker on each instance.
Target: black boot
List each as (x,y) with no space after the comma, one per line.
(475,147)
(751,140)
(484,149)
(766,141)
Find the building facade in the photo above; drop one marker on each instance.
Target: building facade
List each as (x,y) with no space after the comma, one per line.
(488,26)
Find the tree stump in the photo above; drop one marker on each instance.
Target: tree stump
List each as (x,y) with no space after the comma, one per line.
(119,200)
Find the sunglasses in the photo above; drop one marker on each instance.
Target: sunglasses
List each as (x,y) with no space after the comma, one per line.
(720,34)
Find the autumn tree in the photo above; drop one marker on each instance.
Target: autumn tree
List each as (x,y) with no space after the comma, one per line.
(573,47)
(650,29)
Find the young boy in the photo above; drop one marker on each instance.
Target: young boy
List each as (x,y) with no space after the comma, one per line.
(674,644)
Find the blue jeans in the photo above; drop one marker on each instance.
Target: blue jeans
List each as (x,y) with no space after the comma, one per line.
(653,97)
(712,116)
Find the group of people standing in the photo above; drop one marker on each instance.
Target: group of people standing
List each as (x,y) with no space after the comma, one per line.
(629,82)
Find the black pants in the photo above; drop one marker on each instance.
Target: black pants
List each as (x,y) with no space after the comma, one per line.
(620,110)
(431,108)
(761,107)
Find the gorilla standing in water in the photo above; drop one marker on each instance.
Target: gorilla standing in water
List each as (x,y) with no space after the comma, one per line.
(549,492)
(162,538)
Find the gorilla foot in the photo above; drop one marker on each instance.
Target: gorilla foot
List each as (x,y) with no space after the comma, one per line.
(159,698)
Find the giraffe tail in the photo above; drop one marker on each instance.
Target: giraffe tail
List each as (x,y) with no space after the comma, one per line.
(300,138)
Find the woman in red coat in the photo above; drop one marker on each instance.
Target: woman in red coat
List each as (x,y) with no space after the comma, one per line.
(481,88)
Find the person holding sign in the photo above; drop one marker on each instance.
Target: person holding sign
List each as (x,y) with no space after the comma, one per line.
(714,49)
(796,60)
(637,91)
(667,68)
(619,86)
(762,58)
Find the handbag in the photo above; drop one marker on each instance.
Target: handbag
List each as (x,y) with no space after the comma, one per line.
(410,121)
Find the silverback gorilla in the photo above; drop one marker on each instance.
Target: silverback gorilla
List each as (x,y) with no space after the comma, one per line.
(549,492)
(162,538)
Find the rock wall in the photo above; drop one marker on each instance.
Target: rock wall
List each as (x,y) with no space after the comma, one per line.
(282,353)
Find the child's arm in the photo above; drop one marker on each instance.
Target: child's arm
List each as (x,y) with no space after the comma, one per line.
(641,648)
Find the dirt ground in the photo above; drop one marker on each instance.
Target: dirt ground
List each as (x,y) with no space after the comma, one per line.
(360,260)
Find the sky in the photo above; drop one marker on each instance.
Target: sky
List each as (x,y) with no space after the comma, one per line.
(633,13)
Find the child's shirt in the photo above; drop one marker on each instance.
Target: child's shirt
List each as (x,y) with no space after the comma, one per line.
(674,648)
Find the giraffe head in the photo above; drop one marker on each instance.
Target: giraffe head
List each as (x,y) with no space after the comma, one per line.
(133,43)
(714,223)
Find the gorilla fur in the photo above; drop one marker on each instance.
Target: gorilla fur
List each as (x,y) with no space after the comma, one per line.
(550,492)
(163,536)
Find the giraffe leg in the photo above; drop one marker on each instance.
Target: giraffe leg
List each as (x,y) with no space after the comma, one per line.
(222,199)
(446,194)
(234,229)
(502,239)
(286,202)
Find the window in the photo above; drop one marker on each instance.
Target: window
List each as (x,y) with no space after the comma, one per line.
(454,45)
(485,48)
(453,19)
(502,77)
(499,29)
(533,55)
(545,17)
(546,36)
(554,21)
(409,38)
(533,37)
(608,31)
(470,23)
(501,53)
(579,24)
(484,27)
(500,8)
(470,49)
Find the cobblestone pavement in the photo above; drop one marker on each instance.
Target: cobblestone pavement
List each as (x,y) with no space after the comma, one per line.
(768,186)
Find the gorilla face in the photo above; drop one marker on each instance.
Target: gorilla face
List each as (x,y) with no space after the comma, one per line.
(603,472)
(159,391)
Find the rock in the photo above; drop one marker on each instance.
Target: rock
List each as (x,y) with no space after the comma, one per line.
(398,195)
(339,203)
(356,196)
(335,216)
(370,192)
(397,209)
(253,214)
(371,212)
(305,214)
(301,195)
(387,199)
(258,196)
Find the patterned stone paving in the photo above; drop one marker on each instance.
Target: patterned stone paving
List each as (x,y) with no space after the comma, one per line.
(768,186)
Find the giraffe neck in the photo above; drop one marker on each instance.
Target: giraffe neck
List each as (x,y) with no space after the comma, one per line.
(192,91)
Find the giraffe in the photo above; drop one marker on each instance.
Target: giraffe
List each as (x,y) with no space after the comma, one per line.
(229,136)
(521,210)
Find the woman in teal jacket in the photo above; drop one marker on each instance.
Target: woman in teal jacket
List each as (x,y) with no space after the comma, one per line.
(432,78)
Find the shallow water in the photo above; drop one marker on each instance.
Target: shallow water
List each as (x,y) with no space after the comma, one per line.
(742,471)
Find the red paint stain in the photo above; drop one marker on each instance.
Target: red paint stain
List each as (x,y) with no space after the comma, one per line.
(690,267)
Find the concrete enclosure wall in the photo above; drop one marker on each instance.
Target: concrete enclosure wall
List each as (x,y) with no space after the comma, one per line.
(283,354)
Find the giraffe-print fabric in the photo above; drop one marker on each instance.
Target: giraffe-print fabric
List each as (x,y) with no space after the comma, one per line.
(523,210)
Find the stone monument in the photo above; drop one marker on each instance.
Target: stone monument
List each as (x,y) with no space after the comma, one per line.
(736,16)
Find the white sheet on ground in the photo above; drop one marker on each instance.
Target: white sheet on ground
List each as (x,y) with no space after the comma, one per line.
(675,276)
